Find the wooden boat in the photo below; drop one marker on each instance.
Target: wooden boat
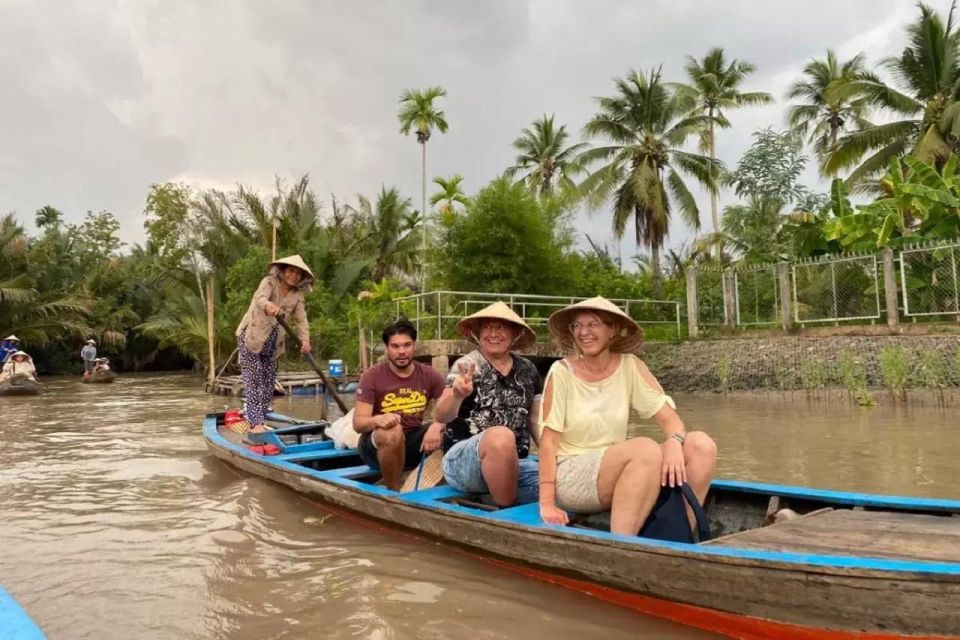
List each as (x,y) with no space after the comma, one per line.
(850,566)
(15,624)
(20,385)
(102,377)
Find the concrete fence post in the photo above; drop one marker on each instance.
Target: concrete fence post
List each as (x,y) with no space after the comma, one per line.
(786,296)
(729,299)
(693,312)
(890,288)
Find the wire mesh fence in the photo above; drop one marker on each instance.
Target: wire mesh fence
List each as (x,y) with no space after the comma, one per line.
(757,295)
(710,294)
(836,289)
(928,278)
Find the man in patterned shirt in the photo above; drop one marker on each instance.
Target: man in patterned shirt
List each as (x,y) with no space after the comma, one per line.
(490,407)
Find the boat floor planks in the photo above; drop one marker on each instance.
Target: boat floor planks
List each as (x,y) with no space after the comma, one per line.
(880,534)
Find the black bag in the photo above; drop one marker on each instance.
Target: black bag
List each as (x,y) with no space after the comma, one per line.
(668,519)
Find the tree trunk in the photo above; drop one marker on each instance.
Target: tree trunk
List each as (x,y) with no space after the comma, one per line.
(423,216)
(211,348)
(655,270)
(714,215)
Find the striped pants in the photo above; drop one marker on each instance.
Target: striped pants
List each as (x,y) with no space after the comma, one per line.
(259,372)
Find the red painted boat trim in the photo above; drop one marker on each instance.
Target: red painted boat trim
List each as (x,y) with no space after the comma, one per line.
(729,624)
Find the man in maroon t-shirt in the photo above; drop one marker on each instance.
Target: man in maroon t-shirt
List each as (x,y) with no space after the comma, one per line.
(391,400)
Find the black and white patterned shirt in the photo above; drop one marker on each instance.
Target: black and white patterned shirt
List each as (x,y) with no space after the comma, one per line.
(497,400)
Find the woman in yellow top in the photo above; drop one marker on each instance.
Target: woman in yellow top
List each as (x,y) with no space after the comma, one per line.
(587,464)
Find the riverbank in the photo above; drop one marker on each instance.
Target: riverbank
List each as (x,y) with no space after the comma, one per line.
(822,366)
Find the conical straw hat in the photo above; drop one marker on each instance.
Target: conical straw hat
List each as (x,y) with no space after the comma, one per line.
(296,261)
(12,337)
(21,353)
(631,334)
(469,327)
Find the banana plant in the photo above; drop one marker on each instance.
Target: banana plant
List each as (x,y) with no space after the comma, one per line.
(920,204)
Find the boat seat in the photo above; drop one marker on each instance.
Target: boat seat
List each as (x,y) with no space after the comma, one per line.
(322,454)
(528,514)
(433,494)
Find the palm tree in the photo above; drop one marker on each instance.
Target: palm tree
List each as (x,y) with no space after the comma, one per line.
(928,72)
(828,107)
(418,113)
(392,231)
(449,195)
(543,156)
(646,125)
(715,87)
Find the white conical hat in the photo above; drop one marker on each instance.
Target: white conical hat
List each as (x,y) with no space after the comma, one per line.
(631,334)
(295,261)
(498,311)
(13,337)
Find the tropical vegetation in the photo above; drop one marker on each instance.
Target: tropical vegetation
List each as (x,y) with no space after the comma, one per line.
(887,134)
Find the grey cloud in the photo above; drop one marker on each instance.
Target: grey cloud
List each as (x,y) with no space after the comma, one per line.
(108,97)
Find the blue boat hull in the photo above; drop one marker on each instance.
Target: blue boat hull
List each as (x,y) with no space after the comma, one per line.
(723,587)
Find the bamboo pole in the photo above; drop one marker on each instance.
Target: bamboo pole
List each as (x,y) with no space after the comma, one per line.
(212,368)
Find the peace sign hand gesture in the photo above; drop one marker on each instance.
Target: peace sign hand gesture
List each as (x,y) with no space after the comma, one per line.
(463,383)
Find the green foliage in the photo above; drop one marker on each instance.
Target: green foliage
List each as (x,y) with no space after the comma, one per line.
(854,378)
(771,168)
(642,164)
(895,370)
(545,161)
(723,372)
(506,241)
(813,375)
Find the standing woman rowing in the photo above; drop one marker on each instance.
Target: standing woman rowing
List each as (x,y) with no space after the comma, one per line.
(259,339)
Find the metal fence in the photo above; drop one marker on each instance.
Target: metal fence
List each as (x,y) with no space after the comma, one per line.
(836,289)
(436,313)
(757,295)
(711,291)
(928,279)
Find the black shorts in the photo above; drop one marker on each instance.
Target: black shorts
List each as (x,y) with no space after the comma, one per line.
(411,444)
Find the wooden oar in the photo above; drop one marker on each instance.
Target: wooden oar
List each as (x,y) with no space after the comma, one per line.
(331,387)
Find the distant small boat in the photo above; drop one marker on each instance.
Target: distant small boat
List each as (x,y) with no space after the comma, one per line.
(20,385)
(101,376)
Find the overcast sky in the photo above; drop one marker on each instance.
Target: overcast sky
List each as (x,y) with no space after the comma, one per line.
(102,98)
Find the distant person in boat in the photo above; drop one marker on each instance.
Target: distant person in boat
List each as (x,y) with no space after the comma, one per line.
(391,400)
(89,355)
(10,344)
(19,363)
(101,365)
(587,464)
(490,408)
(260,338)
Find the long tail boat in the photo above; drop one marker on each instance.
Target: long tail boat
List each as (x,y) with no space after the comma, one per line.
(850,565)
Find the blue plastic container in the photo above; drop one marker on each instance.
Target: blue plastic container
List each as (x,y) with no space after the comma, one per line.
(335,369)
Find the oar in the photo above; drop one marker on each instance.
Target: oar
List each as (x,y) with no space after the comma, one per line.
(313,363)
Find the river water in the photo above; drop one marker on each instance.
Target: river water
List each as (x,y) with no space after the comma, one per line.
(117,523)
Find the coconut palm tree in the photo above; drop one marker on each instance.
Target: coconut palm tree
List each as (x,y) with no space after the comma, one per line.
(828,107)
(715,87)
(392,230)
(646,125)
(449,195)
(927,73)
(418,114)
(544,158)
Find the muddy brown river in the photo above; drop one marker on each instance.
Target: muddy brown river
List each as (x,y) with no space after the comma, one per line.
(117,523)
